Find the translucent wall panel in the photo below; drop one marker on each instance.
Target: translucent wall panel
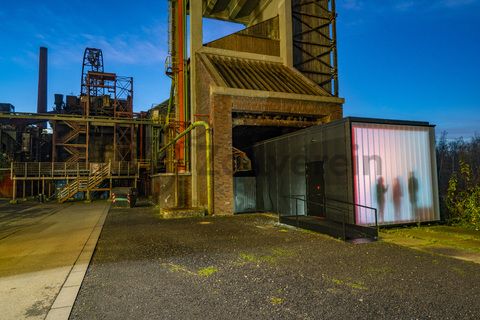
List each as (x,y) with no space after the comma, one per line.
(245,192)
(393,173)
(280,175)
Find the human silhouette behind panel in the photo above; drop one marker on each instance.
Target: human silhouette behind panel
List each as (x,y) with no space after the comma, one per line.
(381,191)
(397,198)
(412,193)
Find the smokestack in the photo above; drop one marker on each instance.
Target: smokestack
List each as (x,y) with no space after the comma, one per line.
(42,84)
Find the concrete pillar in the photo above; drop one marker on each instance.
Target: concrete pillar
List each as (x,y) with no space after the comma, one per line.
(286,32)
(196,43)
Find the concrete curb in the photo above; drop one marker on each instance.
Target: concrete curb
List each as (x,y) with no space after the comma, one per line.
(63,304)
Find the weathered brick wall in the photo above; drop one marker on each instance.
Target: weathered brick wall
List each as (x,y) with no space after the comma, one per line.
(221,115)
(219,108)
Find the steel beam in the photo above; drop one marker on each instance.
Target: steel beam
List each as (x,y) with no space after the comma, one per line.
(234,8)
(208,8)
(274,123)
(76,118)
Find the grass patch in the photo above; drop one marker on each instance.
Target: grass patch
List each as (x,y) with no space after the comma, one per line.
(454,237)
(207,272)
(248,257)
(179,268)
(357,285)
(376,271)
(276,301)
(204,272)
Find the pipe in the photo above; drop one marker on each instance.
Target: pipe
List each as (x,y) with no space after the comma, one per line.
(42,84)
(141,138)
(208,143)
(170,104)
(186,89)
(180,76)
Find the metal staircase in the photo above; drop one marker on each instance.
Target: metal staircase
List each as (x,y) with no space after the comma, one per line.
(80,184)
(75,155)
(76,130)
(73,141)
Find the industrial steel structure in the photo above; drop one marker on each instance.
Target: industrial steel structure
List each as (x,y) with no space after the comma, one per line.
(209,147)
(277,75)
(102,94)
(82,157)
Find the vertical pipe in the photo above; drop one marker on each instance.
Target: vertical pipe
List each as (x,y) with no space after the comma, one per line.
(132,127)
(42,85)
(180,78)
(186,89)
(209,156)
(141,140)
(208,142)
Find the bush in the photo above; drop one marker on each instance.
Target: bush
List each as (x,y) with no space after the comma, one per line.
(463,197)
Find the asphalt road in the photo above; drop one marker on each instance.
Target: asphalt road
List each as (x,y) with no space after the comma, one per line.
(247,267)
(39,243)
(15,217)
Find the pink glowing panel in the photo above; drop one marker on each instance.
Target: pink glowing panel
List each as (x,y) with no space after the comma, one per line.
(392,172)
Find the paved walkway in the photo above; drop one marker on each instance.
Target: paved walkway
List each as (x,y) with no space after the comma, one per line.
(40,246)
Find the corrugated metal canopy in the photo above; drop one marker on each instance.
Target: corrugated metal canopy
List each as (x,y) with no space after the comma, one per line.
(261,75)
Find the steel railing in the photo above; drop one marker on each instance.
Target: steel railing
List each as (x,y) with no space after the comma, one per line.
(59,170)
(327,204)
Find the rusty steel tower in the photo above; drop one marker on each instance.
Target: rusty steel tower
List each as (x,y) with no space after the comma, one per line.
(102,94)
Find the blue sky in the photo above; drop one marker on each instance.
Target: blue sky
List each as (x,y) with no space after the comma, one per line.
(417,60)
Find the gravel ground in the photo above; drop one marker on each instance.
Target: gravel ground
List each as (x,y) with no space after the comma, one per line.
(247,267)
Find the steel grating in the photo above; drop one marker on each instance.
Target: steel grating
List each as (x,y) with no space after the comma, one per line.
(251,74)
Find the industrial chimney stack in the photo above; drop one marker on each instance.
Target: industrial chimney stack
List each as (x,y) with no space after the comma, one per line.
(42,84)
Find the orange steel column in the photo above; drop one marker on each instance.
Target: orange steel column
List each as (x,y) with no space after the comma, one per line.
(180,146)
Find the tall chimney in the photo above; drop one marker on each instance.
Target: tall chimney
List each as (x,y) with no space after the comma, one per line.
(42,85)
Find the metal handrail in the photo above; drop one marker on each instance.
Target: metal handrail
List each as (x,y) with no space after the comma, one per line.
(65,170)
(325,205)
